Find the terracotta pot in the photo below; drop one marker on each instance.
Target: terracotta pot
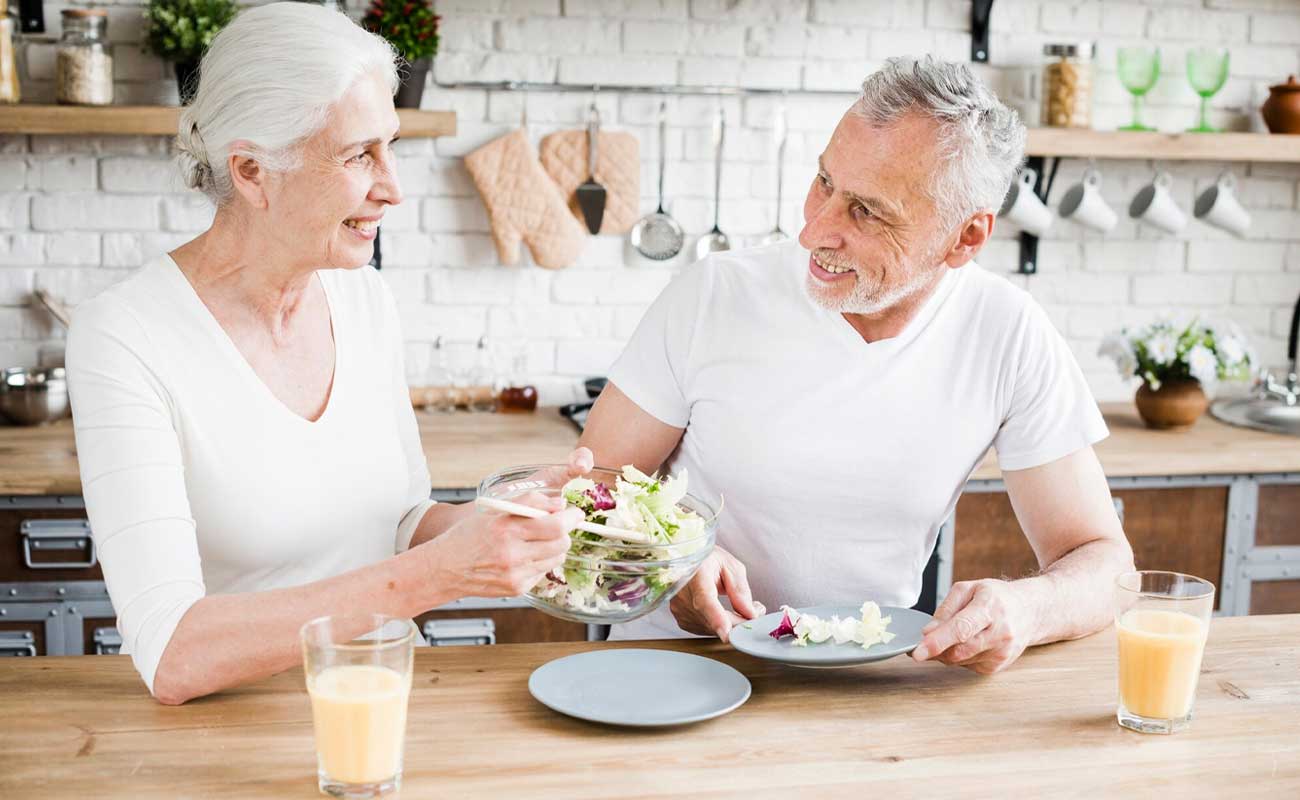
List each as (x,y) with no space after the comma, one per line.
(1282,108)
(1177,404)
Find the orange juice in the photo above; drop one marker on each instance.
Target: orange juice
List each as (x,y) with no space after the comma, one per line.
(359,713)
(1159,661)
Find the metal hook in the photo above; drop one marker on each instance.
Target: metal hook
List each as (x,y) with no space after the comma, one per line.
(523,114)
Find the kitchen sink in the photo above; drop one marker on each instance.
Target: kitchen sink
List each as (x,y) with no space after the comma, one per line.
(1261,413)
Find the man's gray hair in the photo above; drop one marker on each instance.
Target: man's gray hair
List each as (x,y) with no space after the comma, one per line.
(982,142)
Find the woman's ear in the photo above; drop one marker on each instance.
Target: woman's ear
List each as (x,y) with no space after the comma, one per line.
(248,177)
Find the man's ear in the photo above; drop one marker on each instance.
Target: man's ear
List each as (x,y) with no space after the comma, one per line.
(248,177)
(975,232)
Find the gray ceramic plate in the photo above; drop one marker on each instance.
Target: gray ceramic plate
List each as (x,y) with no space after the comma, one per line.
(641,688)
(752,638)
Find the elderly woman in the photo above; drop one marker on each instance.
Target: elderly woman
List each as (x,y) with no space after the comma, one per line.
(249,454)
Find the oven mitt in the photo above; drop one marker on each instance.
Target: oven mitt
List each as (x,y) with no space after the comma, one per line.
(523,203)
(618,169)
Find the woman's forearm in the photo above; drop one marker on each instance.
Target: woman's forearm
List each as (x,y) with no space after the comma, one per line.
(438,519)
(226,640)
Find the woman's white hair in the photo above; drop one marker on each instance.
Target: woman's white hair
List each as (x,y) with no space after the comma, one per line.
(982,142)
(267,83)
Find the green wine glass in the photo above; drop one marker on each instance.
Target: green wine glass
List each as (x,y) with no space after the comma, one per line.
(1139,69)
(1207,71)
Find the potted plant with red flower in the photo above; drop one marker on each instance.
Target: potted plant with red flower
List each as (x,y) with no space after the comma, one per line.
(412,28)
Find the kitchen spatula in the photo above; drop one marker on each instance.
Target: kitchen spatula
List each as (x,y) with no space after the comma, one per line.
(591,195)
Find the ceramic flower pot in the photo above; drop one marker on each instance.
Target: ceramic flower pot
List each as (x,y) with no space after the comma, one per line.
(187,80)
(1176,404)
(413,80)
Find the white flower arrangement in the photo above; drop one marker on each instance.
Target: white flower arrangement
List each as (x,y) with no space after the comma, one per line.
(1166,350)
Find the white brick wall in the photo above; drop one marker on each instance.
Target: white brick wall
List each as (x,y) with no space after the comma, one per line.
(77,213)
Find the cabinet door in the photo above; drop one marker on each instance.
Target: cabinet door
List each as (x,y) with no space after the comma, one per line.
(1278,522)
(1172,529)
(514,625)
(46,544)
(28,629)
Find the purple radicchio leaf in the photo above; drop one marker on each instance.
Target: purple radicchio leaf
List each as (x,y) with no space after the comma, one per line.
(601,499)
(786,628)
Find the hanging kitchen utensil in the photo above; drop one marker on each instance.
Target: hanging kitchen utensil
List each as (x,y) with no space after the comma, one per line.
(54,306)
(591,195)
(715,240)
(657,236)
(778,235)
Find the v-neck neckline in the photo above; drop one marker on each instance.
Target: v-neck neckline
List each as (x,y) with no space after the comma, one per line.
(224,341)
(884,347)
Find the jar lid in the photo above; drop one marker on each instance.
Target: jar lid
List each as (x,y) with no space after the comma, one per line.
(1069,49)
(82,13)
(1291,85)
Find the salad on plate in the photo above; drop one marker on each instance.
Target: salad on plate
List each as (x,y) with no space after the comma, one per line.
(808,629)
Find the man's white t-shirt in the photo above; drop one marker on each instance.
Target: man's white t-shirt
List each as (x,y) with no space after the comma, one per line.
(839,459)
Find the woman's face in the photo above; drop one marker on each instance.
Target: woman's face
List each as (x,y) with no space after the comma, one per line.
(327,212)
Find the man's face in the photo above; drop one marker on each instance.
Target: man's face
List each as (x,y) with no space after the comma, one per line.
(874,235)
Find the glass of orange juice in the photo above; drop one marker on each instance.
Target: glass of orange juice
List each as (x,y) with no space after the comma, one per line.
(1162,619)
(358,671)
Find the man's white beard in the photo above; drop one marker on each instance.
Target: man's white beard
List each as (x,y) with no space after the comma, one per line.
(855,302)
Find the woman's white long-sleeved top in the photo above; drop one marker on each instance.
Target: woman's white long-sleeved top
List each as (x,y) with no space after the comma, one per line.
(198,480)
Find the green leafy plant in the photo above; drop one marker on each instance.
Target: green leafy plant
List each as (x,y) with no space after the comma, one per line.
(409,25)
(1166,350)
(180,30)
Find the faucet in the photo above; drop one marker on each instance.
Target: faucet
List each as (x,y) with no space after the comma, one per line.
(1285,387)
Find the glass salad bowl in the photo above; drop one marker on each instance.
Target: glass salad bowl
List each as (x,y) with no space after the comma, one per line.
(606,580)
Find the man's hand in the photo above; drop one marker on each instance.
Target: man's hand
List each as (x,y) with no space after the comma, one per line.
(697,608)
(982,625)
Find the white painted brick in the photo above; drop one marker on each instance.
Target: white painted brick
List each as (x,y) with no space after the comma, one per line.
(423,322)
(1116,256)
(1281,321)
(473,249)
(1264,62)
(22,249)
(469,137)
(1275,28)
(407,285)
(455,215)
(1167,290)
(491,287)
(136,249)
(655,37)
(1264,289)
(491,67)
(627,71)
(1058,256)
(559,322)
(63,173)
(626,320)
(405,216)
(617,287)
(627,9)
(470,105)
(710,71)
(15,210)
(72,249)
(130,64)
(13,143)
(569,108)
(807,113)
(1269,193)
(463,32)
(187,212)
(101,145)
(777,41)
(1096,321)
(456,7)
(76,284)
(1209,26)
(449,178)
(13,174)
(771,73)
(404,249)
(1293,257)
(1253,5)
(1079,288)
(837,41)
(587,357)
(1014,17)
(1073,18)
(16,285)
(22,353)
(887,44)
(152,93)
(18,323)
(558,36)
(695,215)
(949,14)
(751,10)
(1274,224)
(878,14)
(845,76)
(141,175)
(1123,19)
(603,251)
(41,60)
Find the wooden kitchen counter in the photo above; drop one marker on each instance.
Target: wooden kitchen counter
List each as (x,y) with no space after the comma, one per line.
(463,448)
(84,727)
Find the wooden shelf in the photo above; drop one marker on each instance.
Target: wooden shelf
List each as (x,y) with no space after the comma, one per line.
(162,121)
(1275,147)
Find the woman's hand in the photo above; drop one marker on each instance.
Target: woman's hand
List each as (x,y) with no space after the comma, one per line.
(499,555)
(697,607)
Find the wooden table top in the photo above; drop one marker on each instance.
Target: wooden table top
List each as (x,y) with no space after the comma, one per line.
(85,727)
(463,448)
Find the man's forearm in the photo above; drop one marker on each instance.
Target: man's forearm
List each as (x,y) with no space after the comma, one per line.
(1075,595)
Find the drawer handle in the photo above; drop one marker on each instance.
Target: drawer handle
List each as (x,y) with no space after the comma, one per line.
(452,632)
(17,643)
(56,534)
(108,642)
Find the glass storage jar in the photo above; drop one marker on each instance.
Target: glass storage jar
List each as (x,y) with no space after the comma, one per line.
(1067,85)
(84,64)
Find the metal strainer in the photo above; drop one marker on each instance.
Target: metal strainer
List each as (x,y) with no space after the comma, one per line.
(657,236)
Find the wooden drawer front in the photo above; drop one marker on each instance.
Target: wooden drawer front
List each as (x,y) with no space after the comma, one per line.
(47,552)
(1278,523)
(515,625)
(1174,529)
(1275,597)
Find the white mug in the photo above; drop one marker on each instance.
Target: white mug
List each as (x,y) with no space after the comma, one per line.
(1218,205)
(1083,203)
(1154,205)
(1024,208)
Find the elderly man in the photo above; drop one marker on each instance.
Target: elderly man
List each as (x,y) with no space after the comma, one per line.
(839,391)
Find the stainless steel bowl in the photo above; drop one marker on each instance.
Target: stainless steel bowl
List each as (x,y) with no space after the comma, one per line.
(34,396)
